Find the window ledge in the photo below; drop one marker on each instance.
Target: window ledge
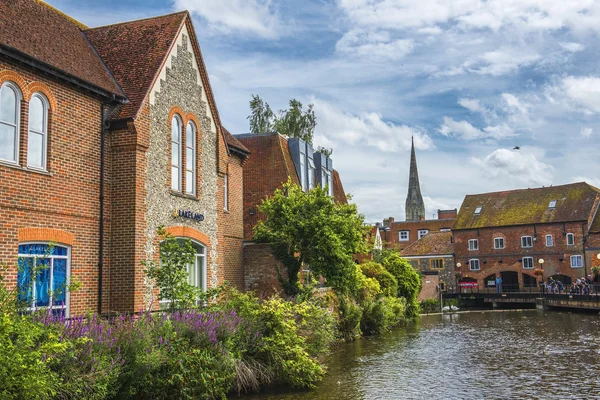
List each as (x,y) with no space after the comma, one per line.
(24,169)
(184,196)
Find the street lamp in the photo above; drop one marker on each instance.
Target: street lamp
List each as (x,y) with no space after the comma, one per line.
(541,262)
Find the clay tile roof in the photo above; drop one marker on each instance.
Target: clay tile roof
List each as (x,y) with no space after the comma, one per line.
(574,202)
(43,33)
(338,190)
(134,51)
(233,142)
(434,243)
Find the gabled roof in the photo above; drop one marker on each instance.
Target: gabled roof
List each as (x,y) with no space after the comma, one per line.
(574,202)
(432,244)
(232,142)
(135,52)
(37,31)
(338,190)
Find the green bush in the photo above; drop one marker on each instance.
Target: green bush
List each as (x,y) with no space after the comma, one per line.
(387,282)
(429,306)
(382,314)
(409,282)
(367,289)
(349,317)
(397,306)
(317,325)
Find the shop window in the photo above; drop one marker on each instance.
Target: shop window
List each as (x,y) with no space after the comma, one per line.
(43,277)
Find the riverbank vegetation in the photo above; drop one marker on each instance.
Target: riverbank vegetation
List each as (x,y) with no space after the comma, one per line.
(206,345)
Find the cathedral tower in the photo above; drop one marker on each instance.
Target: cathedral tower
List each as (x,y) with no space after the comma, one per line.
(415,208)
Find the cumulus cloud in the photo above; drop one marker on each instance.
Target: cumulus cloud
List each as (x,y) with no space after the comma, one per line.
(471,104)
(374,45)
(515,165)
(369,129)
(257,17)
(580,93)
(466,131)
(513,103)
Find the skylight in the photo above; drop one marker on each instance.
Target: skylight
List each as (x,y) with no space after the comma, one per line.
(552,204)
(478,210)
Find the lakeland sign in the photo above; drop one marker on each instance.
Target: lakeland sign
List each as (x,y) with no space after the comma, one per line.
(189,215)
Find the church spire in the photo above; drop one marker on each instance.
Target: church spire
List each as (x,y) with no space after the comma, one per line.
(415,208)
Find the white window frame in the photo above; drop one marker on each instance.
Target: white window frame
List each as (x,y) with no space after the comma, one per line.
(422,232)
(17,125)
(204,272)
(194,152)
(400,239)
(32,307)
(577,257)
(552,204)
(176,176)
(499,239)
(472,263)
(226,192)
(530,240)
(478,210)
(44,133)
(550,242)
(572,236)
(473,245)
(529,261)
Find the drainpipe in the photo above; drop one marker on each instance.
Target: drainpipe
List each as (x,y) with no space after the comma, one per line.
(103,131)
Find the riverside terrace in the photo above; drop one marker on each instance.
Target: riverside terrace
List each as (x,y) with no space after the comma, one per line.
(521,295)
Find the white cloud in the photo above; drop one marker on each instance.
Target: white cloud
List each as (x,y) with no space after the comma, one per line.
(501,61)
(373,45)
(369,129)
(471,104)
(257,17)
(582,92)
(466,131)
(513,103)
(586,132)
(572,46)
(515,165)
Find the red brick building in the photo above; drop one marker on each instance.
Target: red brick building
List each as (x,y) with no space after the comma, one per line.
(507,233)
(105,135)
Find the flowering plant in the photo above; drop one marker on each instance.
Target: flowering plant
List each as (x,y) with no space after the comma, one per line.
(538,272)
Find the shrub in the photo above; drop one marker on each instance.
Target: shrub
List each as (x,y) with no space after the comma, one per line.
(367,289)
(387,282)
(409,282)
(429,306)
(382,314)
(349,317)
(317,325)
(397,306)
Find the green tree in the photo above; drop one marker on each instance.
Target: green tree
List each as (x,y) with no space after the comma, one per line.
(170,273)
(310,228)
(409,281)
(294,122)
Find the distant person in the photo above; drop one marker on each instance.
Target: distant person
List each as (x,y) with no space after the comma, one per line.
(499,284)
(560,286)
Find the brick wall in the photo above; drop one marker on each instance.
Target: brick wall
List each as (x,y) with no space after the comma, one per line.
(67,196)
(494,261)
(430,287)
(260,267)
(391,238)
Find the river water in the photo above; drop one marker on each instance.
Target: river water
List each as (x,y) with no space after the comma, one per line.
(478,355)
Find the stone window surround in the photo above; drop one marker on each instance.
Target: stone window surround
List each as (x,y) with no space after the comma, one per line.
(185,119)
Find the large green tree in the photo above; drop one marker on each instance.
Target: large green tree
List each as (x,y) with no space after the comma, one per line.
(293,122)
(310,228)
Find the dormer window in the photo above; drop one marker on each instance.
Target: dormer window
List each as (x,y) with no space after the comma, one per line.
(478,210)
(552,204)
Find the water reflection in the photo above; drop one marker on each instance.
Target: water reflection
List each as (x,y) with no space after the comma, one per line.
(499,355)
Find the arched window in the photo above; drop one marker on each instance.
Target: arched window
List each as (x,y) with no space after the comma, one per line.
(37,135)
(176,153)
(10,99)
(190,158)
(43,276)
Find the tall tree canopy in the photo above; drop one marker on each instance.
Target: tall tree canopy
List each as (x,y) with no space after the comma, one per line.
(310,228)
(294,122)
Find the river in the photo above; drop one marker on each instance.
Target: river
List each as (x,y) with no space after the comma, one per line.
(493,355)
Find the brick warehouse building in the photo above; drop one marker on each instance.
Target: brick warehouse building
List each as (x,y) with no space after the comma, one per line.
(507,233)
(106,134)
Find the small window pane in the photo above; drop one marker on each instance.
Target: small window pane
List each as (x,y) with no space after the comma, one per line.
(8,105)
(24,278)
(35,150)
(175,130)
(190,136)
(174,178)
(189,182)
(189,158)
(175,154)
(7,142)
(36,114)
(59,278)
(42,284)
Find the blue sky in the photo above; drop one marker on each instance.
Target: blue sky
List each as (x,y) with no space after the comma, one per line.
(469,79)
